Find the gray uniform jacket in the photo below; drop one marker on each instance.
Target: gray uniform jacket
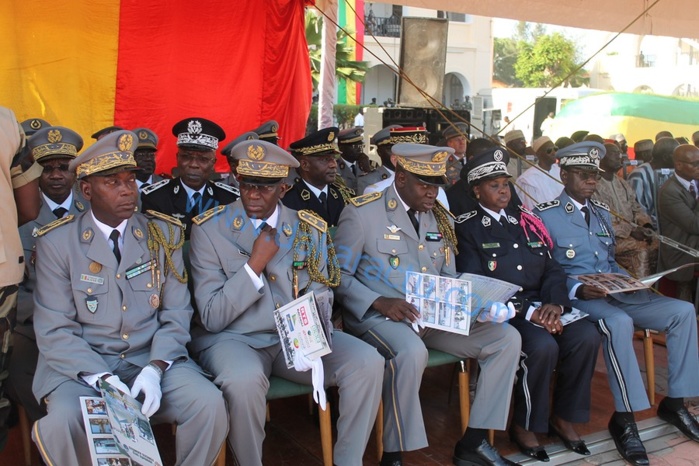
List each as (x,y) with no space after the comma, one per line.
(678,215)
(374,259)
(89,315)
(370,178)
(229,307)
(25,302)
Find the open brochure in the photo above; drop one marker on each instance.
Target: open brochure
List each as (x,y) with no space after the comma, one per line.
(612,282)
(453,304)
(118,434)
(304,325)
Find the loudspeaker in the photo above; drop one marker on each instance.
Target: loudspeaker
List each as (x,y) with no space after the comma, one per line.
(423,56)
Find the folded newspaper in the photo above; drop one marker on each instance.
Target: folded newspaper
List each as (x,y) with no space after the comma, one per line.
(620,283)
(304,325)
(453,304)
(118,434)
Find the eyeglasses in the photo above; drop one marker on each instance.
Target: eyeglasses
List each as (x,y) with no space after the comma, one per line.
(262,189)
(200,159)
(587,175)
(551,149)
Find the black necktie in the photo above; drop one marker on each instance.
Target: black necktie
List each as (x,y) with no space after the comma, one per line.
(354,169)
(114,236)
(261,227)
(413,220)
(504,222)
(59,212)
(196,203)
(324,201)
(586,211)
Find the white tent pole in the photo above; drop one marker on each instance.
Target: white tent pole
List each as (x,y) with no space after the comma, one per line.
(326,86)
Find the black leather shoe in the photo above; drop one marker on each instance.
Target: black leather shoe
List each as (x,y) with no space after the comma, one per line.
(628,443)
(484,455)
(578,446)
(537,452)
(681,419)
(391,463)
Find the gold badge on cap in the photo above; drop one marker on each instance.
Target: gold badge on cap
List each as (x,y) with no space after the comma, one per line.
(440,157)
(256,152)
(125,142)
(331,136)
(142,135)
(154,301)
(35,124)
(274,128)
(54,136)
(95,267)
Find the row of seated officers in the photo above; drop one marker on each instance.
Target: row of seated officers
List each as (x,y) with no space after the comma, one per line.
(111,300)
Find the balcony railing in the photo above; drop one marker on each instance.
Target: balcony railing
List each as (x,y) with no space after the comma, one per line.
(384,27)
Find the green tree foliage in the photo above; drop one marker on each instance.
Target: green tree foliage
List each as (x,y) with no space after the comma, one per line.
(533,58)
(345,69)
(548,60)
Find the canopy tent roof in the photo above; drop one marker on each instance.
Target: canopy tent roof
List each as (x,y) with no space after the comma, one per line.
(675,18)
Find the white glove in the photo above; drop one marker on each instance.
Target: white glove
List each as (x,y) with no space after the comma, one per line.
(148,382)
(498,313)
(303,364)
(418,324)
(115,382)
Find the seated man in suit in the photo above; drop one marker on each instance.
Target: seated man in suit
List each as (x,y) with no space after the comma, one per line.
(584,241)
(112,304)
(380,237)
(249,258)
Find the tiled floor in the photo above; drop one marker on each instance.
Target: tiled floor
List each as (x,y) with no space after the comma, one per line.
(293,436)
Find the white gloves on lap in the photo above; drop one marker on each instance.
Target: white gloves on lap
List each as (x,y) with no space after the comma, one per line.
(498,313)
(148,382)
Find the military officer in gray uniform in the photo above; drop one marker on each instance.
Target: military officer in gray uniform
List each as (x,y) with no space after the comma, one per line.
(268,131)
(248,258)
(32,125)
(383,142)
(456,136)
(191,193)
(145,158)
(584,244)
(353,162)
(113,305)
(380,237)
(53,148)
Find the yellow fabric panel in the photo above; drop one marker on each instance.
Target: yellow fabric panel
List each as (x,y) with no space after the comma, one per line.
(59,61)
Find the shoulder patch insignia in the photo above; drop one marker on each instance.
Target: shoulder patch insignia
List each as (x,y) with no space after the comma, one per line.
(548,205)
(305,194)
(163,217)
(227,187)
(365,198)
(599,204)
(313,219)
(463,217)
(53,225)
(154,186)
(333,192)
(209,214)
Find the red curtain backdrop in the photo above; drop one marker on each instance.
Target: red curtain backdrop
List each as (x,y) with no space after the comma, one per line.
(238,63)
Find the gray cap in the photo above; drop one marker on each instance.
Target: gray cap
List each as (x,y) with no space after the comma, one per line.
(586,154)
(381,136)
(111,154)
(33,125)
(351,136)
(147,139)
(428,163)
(454,130)
(262,160)
(54,142)
(249,136)
(268,131)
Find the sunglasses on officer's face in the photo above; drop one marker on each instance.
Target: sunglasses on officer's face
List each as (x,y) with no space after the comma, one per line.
(551,149)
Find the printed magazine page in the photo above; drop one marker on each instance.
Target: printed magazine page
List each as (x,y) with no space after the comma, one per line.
(301,329)
(131,428)
(103,447)
(612,282)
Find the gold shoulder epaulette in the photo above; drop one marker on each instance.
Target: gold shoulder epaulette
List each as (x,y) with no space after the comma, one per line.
(313,219)
(154,186)
(163,217)
(366,198)
(211,213)
(53,225)
(446,210)
(599,204)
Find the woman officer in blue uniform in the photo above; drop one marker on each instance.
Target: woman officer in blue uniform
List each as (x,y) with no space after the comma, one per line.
(511,244)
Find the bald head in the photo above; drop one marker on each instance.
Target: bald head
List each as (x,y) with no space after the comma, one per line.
(686,159)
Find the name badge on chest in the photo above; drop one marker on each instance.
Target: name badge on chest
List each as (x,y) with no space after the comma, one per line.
(433,236)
